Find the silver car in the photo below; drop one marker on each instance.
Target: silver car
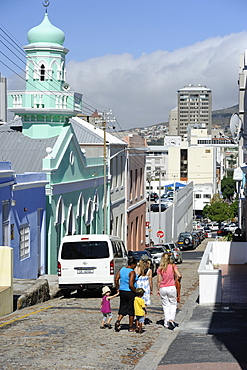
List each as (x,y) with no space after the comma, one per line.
(176,252)
(156,251)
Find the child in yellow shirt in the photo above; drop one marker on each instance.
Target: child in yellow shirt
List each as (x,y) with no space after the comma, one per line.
(140,309)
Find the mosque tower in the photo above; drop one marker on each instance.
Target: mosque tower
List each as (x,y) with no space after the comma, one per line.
(47,103)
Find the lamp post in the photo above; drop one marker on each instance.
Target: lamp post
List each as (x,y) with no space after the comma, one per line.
(105,179)
(149,179)
(104,121)
(173,208)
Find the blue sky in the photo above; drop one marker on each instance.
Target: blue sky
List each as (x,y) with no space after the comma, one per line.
(132,56)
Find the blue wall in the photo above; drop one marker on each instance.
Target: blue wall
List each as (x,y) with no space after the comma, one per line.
(27,202)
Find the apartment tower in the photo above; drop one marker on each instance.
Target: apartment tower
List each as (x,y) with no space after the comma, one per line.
(194,108)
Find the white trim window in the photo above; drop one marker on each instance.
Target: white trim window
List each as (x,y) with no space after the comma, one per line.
(96,201)
(5,223)
(71,221)
(24,246)
(60,212)
(80,206)
(89,212)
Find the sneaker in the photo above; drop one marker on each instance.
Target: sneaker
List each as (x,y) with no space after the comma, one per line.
(102,327)
(171,325)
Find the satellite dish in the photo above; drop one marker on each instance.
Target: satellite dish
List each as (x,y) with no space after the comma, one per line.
(235,127)
(65,86)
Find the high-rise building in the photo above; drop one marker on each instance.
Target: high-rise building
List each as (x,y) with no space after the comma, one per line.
(3,99)
(194,107)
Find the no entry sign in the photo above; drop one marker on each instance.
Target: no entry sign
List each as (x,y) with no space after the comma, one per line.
(160,234)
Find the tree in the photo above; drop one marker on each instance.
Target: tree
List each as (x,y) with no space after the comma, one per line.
(227,187)
(234,208)
(218,211)
(216,198)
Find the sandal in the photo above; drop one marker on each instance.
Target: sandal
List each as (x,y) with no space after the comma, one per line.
(117,325)
(131,328)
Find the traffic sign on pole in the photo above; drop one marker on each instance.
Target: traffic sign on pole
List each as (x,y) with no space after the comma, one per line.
(160,234)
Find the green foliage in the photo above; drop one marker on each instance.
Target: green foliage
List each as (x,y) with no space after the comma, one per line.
(218,211)
(216,198)
(227,187)
(234,208)
(229,237)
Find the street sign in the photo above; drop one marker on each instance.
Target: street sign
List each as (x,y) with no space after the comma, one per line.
(160,234)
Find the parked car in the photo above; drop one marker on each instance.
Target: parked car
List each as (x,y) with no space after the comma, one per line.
(155,207)
(156,252)
(207,232)
(167,201)
(214,226)
(144,255)
(89,261)
(231,227)
(223,231)
(177,253)
(186,241)
(153,196)
(196,238)
(168,249)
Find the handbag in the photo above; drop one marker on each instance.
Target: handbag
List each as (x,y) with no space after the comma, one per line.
(177,285)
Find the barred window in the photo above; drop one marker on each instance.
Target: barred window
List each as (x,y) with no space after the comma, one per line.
(24,246)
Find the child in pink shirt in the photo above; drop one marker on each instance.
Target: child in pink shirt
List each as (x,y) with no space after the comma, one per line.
(105,307)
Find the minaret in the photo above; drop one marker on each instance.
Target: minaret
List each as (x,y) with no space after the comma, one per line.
(47,103)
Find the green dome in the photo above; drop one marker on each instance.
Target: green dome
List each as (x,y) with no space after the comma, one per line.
(45,32)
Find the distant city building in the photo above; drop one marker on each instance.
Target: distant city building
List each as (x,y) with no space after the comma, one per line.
(194,107)
(173,122)
(3,99)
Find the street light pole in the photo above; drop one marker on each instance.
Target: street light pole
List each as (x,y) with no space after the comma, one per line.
(159,203)
(105,178)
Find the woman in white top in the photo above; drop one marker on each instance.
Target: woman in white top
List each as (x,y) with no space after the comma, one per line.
(145,279)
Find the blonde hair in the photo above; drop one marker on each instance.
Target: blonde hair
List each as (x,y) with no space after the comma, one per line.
(143,265)
(165,261)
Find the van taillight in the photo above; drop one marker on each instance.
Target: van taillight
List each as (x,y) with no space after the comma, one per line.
(59,269)
(112,267)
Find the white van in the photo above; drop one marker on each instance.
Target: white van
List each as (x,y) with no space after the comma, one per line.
(89,261)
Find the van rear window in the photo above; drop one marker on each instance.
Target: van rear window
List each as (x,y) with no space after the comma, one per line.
(84,250)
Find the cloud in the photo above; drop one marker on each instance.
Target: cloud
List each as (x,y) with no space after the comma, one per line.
(142,91)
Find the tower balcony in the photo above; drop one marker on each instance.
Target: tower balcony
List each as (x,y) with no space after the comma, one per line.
(33,102)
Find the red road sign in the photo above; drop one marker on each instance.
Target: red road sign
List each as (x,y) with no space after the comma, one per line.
(160,234)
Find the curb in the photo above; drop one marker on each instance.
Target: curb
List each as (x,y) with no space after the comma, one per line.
(158,350)
(43,289)
(36,294)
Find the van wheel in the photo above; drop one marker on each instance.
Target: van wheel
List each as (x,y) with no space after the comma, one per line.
(66,293)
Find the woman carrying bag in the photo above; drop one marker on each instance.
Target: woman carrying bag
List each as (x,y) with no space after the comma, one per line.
(166,289)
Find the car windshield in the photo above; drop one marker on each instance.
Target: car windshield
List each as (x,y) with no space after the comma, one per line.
(138,254)
(155,250)
(85,250)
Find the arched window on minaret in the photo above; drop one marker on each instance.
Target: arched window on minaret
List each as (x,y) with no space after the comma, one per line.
(42,72)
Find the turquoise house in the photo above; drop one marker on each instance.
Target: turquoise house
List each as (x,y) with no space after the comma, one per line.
(75,183)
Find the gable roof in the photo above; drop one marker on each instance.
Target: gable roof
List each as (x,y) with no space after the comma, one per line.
(86,133)
(24,153)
